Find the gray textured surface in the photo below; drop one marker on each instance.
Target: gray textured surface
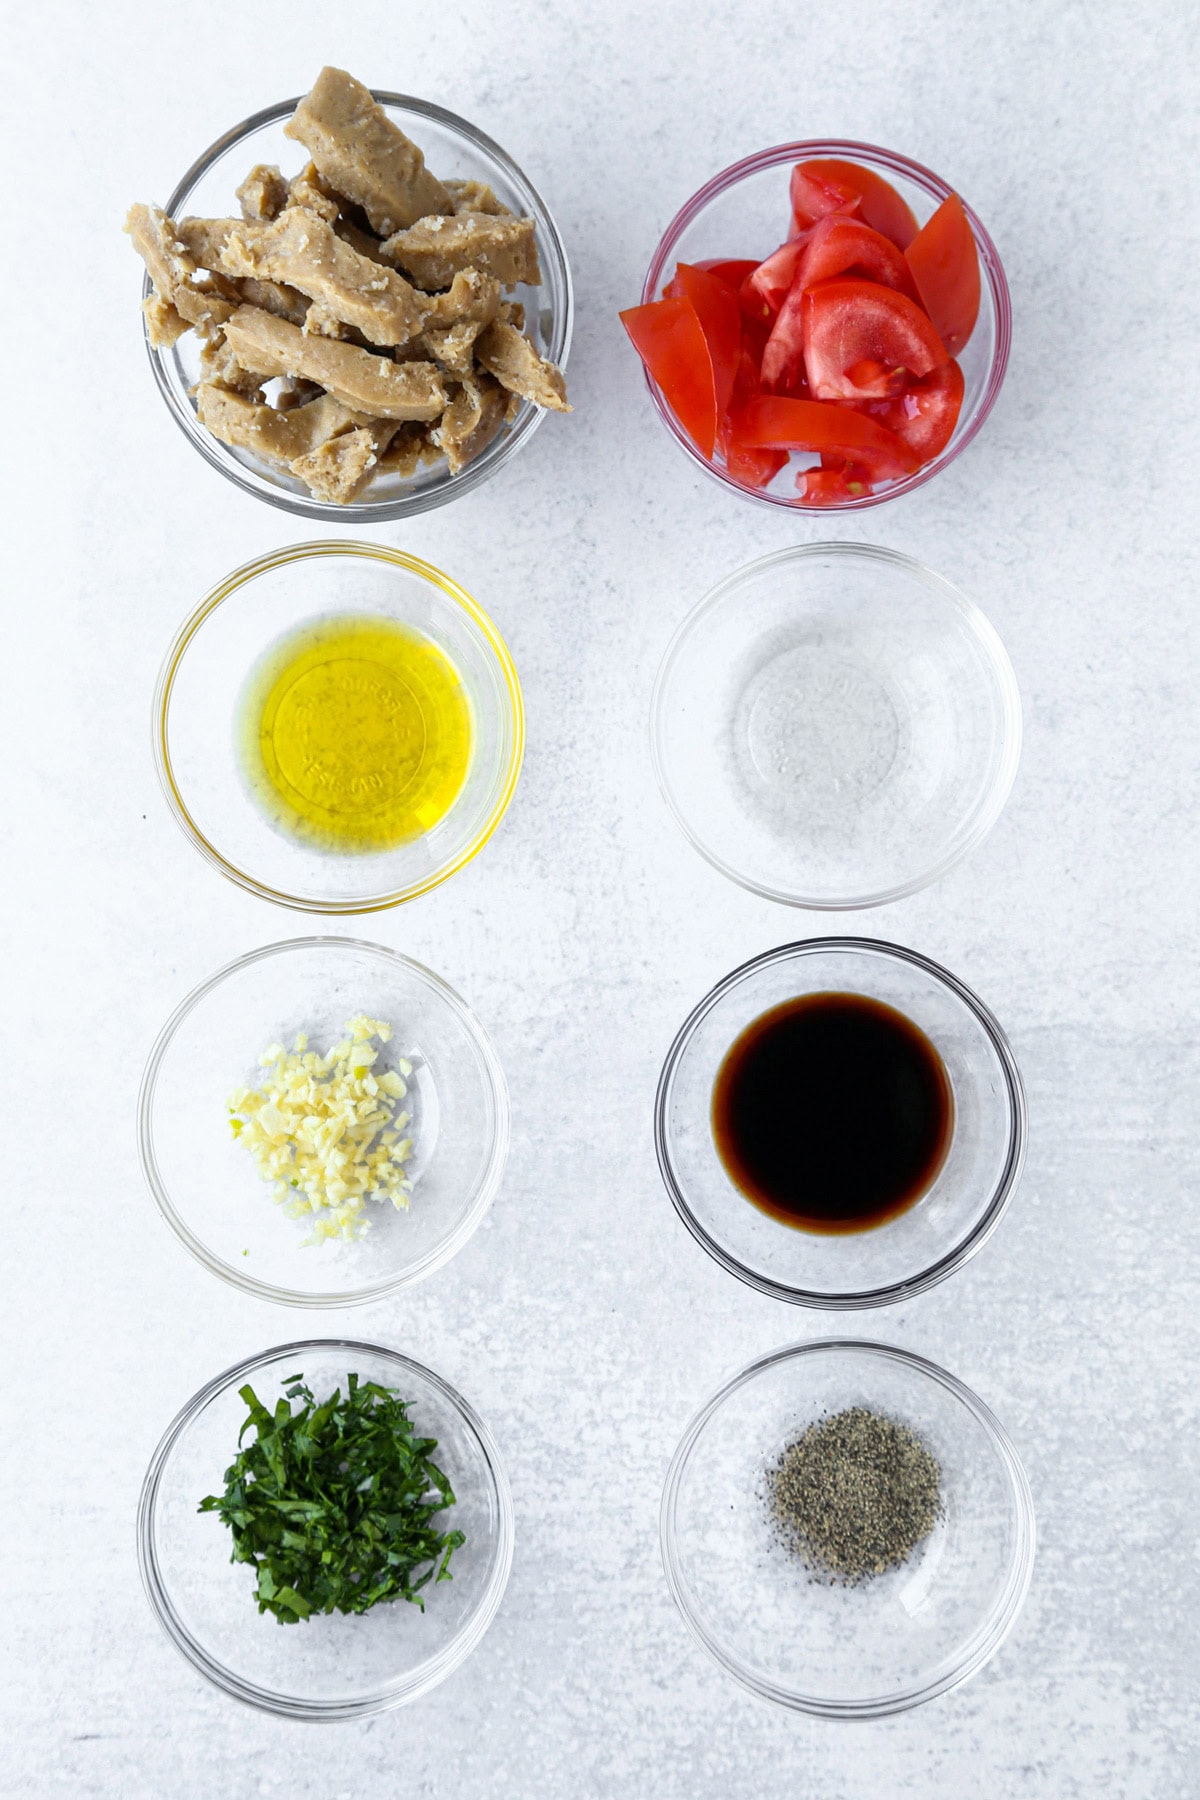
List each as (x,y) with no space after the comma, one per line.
(582,1321)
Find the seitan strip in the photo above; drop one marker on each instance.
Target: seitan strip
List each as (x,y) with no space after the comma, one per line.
(371,384)
(469,296)
(359,240)
(219,367)
(279,437)
(264,193)
(172,268)
(204,240)
(508,354)
(303,251)
(306,191)
(164,326)
(455,347)
(275,297)
(362,154)
(474,196)
(434,250)
(470,422)
(340,469)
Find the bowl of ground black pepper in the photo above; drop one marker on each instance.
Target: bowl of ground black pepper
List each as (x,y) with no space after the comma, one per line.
(847,1530)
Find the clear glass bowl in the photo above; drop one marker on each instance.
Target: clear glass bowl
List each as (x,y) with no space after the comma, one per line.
(835,726)
(744,212)
(452,148)
(207,1185)
(199,695)
(335,1666)
(919,1247)
(891,1642)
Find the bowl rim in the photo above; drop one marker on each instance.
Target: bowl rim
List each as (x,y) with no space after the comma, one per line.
(997,661)
(403,506)
(434,1259)
(1012,1598)
(266,1699)
(225,590)
(991,268)
(943,1265)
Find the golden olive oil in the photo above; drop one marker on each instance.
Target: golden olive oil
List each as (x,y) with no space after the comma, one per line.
(355,734)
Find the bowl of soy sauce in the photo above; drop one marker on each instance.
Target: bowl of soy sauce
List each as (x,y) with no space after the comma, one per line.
(840,1123)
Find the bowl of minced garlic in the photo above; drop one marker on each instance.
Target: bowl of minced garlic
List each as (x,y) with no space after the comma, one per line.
(362,331)
(323,1121)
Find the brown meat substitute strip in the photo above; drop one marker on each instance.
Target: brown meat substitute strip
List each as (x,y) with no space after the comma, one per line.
(434,250)
(302,251)
(263,194)
(172,268)
(470,422)
(374,385)
(508,355)
(362,154)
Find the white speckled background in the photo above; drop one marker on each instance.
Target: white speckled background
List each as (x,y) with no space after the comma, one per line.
(582,1320)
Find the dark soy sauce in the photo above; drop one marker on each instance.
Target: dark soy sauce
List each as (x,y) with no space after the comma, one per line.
(832,1112)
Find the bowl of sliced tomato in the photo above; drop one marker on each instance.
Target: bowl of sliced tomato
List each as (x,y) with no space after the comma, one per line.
(824,325)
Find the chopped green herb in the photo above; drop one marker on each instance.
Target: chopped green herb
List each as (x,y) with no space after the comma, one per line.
(334,1505)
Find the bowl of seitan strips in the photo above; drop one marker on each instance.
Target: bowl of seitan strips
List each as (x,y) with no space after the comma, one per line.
(367,332)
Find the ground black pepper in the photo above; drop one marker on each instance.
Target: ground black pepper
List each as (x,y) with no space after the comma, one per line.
(854,1495)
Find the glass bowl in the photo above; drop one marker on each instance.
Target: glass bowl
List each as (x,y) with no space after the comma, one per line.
(915,1249)
(207,1185)
(895,1640)
(835,726)
(452,148)
(200,699)
(332,1666)
(743,212)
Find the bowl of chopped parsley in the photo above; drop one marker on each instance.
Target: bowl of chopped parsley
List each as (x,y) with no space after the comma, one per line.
(325,1530)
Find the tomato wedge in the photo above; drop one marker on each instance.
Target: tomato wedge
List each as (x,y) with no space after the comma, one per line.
(747,463)
(849,324)
(833,246)
(945,266)
(827,185)
(832,487)
(925,415)
(720,319)
(667,336)
(839,244)
(772,423)
(765,288)
(734,271)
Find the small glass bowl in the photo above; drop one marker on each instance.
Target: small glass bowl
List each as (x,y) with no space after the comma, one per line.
(333,1666)
(908,1253)
(744,211)
(453,149)
(896,1640)
(835,726)
(206,1184)
(199,697)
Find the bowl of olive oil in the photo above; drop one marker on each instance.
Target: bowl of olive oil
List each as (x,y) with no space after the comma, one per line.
(338,727)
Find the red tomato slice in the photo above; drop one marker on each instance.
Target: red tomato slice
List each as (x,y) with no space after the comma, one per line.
(753,468)
(925,416)
(838,244)
(772,423)
(720,319)
(945,266)
(765,288)
(833,246)
(734,272)
(832,487)
(746,463)
(816,184)
(849,323)
(667,336)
